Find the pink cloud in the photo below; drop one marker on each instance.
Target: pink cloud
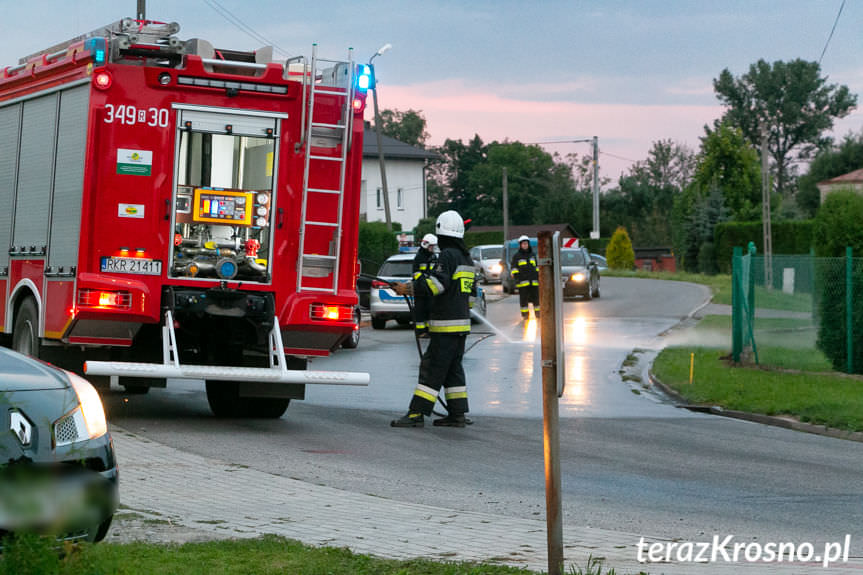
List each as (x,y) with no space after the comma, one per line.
(455,111)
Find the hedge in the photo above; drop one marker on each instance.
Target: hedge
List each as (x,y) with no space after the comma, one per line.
(789,237)
(376,244)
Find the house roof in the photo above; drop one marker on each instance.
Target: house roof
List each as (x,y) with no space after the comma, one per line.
(854,177)
(565,230)
(392,148)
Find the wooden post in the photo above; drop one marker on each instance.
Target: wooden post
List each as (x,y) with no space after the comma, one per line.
(550,427)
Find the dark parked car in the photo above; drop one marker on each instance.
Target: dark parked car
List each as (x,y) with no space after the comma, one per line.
(579,273)
(57,468)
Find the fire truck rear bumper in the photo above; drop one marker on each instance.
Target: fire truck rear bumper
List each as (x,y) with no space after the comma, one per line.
(210,372)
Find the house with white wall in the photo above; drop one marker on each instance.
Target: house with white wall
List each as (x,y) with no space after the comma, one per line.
(406,181)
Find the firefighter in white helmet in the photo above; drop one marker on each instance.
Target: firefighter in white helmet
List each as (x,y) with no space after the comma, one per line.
(423,264)
(449,285)
(526,276)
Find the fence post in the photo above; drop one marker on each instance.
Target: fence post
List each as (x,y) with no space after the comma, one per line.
(736,305)
(849,308)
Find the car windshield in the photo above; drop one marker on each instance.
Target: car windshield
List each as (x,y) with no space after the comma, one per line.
(399,269)
(492,253)
(571,258)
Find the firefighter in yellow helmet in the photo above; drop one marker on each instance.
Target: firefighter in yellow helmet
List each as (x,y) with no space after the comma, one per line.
(526,275)
(449,285)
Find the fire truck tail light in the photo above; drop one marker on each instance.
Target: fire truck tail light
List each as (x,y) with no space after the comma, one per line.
(102,80)
(358,105)
(321,311)
(101,299)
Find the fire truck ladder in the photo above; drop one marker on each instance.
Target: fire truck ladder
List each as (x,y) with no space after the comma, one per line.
(335,81)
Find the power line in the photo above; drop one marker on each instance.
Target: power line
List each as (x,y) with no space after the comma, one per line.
(242,26)
(618,157)
(830,37)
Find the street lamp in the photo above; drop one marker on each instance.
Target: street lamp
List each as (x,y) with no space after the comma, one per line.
(384,189)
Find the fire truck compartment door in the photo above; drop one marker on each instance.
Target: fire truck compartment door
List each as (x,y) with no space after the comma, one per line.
(239,123)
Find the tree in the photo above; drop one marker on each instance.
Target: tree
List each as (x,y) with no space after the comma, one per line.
(406,127)
(619,252)
(669,164)
(728,162)
(830,162)
(791,99)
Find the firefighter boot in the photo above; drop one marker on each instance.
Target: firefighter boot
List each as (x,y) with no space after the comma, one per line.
(450,421)
(411,419)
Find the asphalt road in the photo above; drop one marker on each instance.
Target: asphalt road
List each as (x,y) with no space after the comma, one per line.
(629,462)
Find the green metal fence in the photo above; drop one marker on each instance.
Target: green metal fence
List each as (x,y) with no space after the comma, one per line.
(798,311)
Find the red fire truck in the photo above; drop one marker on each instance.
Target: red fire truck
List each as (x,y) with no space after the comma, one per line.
(176,210)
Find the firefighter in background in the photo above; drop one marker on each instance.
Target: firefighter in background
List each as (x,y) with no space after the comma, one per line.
(423,264)
(449,287)
(526,275)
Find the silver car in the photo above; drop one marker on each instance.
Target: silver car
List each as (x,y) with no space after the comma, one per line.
(385,304)
(487,260)
(580,274)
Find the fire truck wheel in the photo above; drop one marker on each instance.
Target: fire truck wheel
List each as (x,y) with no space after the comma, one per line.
(136,389)
(25,332)
(225,401)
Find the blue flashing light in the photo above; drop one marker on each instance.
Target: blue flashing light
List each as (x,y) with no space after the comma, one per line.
(365,77)
(98,49)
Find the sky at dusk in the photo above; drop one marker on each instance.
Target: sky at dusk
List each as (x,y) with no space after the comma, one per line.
(629,72)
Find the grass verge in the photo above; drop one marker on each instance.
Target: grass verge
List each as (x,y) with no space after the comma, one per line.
(31,555)
(833,400)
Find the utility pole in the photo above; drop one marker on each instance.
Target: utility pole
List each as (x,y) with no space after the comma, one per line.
(505,215)
(594,234)
(380,139)
(765,210)
(142,10)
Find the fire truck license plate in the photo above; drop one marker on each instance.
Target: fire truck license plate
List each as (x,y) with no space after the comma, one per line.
(132,266)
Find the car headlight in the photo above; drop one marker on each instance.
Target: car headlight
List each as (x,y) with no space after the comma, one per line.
(87,421)
(495,268)
(578,277)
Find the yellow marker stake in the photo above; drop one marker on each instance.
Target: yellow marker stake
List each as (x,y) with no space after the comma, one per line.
(691,366)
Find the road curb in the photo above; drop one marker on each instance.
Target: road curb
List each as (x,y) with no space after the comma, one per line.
(784,422)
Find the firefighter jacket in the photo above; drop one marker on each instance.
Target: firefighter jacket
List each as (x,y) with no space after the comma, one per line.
(423,262)
(450,285)
(524,270)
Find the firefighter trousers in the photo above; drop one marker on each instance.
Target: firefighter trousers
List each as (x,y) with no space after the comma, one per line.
(527,295)
(441,366)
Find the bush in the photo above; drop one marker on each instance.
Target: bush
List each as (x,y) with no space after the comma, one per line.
(789,237)
(472,239)
(619,252)
(376,244)
(597,246)
(707,259)
(837,226)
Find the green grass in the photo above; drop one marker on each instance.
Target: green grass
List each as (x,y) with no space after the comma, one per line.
(269,554)
(828,399)
(720,286)
(786,343)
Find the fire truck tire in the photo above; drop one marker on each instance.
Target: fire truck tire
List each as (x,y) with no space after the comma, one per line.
(136,389)
(25,332)
(225,401)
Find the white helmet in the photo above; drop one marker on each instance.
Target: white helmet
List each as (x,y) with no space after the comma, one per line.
(428,241)
(450,224)
(523,238)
